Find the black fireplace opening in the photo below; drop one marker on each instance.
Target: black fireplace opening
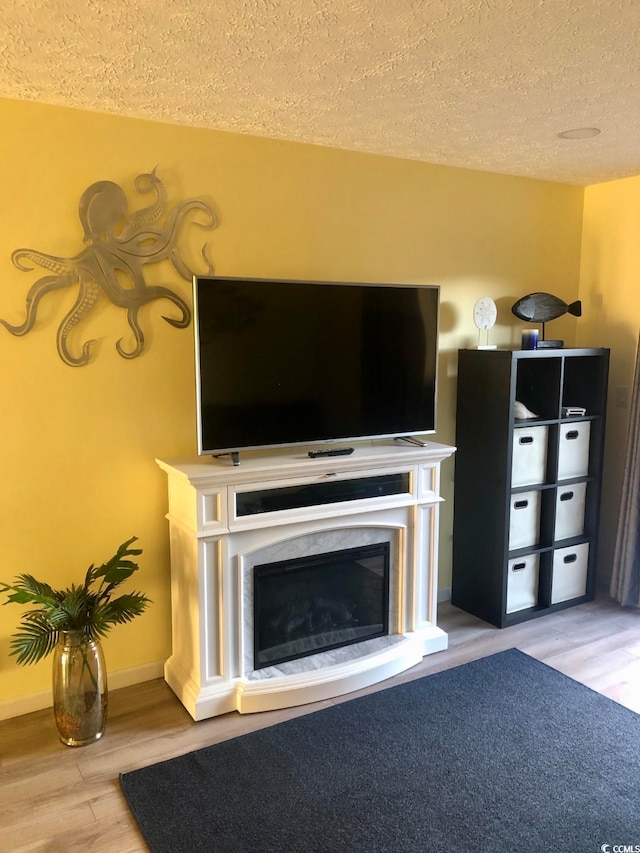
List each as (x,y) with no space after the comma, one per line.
(311,604)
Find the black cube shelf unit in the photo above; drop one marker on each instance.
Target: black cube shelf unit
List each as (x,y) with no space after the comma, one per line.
(527,492)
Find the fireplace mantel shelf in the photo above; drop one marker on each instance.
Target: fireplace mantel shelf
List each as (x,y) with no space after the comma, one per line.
(224,519)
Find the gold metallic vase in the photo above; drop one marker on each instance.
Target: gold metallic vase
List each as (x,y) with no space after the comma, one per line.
(79,689)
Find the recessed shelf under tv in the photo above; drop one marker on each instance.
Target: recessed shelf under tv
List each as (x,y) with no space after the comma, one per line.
(319,494)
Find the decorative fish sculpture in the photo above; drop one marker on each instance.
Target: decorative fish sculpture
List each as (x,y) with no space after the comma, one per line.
(542,307)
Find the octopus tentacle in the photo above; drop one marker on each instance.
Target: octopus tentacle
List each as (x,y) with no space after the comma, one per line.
(143,244)
(181,210)
(145,183)
(159,292)
(62,266)
(205,258)
(86,299)
(44,285)
(183,269)
(157,243)
(178,263)
(132,318)
(108,267)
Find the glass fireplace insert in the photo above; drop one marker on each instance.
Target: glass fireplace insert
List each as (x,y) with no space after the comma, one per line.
(311,604)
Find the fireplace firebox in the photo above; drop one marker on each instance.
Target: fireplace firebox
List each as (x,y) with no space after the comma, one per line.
(311,604)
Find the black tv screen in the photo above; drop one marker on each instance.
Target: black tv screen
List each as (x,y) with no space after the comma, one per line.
(297,362)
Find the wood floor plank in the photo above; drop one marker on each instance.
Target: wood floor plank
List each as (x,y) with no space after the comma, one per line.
(35,788)
(42,829)
(108,836)
(59,800)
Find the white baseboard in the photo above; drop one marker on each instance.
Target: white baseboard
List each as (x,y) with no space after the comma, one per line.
(122,678)
(136,674)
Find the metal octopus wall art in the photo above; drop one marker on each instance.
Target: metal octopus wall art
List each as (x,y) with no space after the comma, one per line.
(118,245)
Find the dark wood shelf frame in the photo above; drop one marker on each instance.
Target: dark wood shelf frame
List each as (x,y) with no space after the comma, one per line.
(546,381)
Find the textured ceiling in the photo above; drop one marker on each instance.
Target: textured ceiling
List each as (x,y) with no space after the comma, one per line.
(485,84)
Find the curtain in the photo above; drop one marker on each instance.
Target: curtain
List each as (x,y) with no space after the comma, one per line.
(625,579)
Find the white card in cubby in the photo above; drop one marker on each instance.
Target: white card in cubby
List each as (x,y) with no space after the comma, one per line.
(569,579)
(529,458)
(573,452)
(524,520)
(570,504)
(522,583)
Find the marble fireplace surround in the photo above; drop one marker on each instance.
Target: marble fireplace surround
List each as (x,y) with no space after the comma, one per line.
(214,549)
(326,541)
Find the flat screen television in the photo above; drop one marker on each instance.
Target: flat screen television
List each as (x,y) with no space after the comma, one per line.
(282,363)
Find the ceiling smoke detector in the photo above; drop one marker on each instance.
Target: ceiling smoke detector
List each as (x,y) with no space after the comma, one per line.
(579,133)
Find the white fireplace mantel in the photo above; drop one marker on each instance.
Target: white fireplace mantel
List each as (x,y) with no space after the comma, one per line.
(215,543)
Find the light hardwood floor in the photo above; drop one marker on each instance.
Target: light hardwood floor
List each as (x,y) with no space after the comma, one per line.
(63,800)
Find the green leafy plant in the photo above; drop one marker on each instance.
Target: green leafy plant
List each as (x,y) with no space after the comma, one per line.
(90,608)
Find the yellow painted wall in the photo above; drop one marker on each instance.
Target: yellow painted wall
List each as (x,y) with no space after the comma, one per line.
(77,445)
(610,289)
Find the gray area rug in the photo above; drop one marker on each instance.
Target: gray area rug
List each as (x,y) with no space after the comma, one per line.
(501,755)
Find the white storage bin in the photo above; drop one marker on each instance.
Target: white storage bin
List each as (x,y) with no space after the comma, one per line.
(570,501)
(522,583)
(569,578)
(573,453)
(529,458)
(524,520)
